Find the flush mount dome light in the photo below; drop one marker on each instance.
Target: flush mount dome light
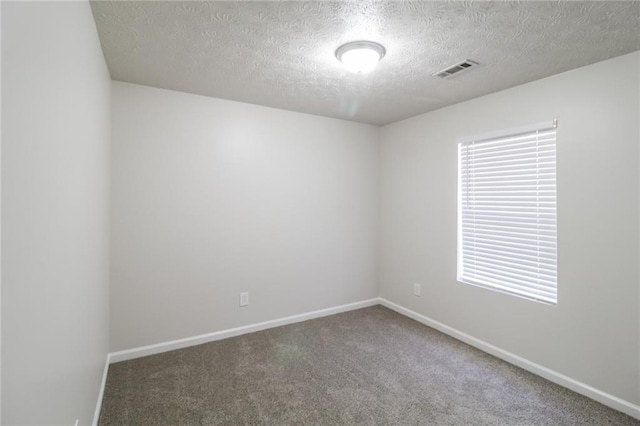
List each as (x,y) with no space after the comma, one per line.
(360,56)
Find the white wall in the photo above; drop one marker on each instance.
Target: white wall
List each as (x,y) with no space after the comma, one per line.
(55,162)
(592,335)
(213,197)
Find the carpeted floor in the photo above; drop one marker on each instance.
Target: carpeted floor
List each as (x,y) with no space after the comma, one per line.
(370,366)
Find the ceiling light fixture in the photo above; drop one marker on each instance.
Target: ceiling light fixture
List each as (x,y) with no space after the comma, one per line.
(360,56)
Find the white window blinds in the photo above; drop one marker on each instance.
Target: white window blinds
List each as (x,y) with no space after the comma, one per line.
(507,212)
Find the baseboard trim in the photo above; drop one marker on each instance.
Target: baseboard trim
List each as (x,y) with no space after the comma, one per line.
(582,388)
(96,415)
(232,332)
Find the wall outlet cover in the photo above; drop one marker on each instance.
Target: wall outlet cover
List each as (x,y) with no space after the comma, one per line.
(244,299)
(417,289)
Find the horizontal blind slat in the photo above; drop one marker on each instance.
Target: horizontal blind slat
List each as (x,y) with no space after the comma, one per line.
(510,261)
(549,297)
(512,282)
(510,234)
(525,275)
(505,160)
(497,214)
(531,231)
(515,256)
(505,249)
(509,140)
(513,245)
(498,151)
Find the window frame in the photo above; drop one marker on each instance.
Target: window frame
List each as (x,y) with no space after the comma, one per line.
(550,125)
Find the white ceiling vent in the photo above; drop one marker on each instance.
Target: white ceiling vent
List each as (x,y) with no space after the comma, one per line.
(456,69)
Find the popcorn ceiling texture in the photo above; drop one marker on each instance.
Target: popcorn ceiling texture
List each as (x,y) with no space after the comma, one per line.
(281,54)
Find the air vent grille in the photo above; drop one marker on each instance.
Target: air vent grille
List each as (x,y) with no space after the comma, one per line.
(456,69)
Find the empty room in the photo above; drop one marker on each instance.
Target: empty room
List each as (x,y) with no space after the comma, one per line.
(320,212)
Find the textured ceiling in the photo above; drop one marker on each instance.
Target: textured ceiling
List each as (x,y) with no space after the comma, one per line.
(281,54)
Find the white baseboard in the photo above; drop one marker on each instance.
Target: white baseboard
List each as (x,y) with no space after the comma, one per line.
(96,415)
(589,391)
(232,332)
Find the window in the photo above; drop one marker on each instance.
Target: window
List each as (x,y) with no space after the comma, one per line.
(507,212)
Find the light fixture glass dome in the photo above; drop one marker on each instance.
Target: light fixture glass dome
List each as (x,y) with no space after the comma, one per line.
(360,56)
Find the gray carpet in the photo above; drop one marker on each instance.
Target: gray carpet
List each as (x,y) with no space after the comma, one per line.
(370,366)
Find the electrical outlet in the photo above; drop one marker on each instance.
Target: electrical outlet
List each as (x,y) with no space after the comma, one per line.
(244,299)
(416,289)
